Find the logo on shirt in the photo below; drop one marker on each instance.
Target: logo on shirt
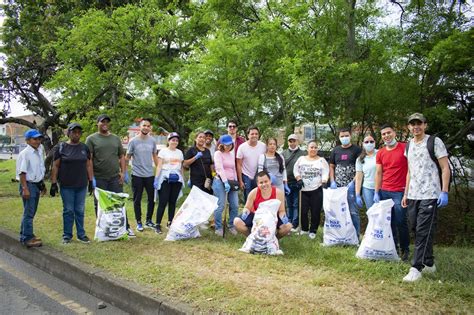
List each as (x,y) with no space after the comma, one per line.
(344,157)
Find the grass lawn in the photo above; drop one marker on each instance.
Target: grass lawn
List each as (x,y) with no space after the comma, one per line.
(213,276)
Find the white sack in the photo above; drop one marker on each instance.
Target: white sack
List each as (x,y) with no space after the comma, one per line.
(378,242)
(111,216)
(262,238)
(338,227)
(196,210)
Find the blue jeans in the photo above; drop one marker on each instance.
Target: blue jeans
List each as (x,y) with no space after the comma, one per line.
(368,195)
(351,200)
(399,224)
(232,198)
(29,210)
(74,200)
(249,185)
(292,202)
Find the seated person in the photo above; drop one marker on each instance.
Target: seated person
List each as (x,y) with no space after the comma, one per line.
(264,191)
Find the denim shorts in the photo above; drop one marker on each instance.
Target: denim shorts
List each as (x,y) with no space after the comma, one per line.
(249,220)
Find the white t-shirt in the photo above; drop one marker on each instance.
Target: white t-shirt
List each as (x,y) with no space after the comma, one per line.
(424,175)
(172,159)
(249,156)
(312,172)
(368,168)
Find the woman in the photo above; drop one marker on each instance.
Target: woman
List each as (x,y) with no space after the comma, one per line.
(169,179)
(365,173)
(224,161)
(199,161)
(274,164)
(311,172)
(72,168)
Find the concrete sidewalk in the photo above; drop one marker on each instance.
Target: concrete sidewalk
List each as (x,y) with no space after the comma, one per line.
(125,295)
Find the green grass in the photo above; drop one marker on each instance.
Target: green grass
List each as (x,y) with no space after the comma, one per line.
(212,275)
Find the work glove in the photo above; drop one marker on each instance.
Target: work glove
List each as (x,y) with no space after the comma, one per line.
(90,187)
(226,187)
(54,189)
(359,201)
(285,220)
(126,179)
(198,155)
(244,215)
(442,199)
(273,179)
(94,182)
(350,186)
(189,183)
(333,185)
(156,182)
(300,184)
(287,189)
(376,197)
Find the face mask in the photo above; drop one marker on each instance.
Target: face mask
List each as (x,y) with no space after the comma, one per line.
(345,140)
(369,147)
(391,143)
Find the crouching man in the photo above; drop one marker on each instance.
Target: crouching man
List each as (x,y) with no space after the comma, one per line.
(264,191)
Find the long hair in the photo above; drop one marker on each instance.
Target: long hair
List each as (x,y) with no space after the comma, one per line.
(363,154)
(281,167)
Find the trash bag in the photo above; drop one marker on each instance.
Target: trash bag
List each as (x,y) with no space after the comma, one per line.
(196,210)
(111,216)
(378,242)
(262,238)
(338,227)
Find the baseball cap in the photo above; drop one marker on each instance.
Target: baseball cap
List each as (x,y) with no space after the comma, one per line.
(72,126)
(292,137)
(226,140)
(102,117)
(173,135)
(417,116)
(33,133)
(208,132)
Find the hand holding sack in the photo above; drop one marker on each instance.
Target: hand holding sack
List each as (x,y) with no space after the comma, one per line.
(53,190)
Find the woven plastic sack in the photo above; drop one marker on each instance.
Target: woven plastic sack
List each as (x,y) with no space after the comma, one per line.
(378,242)
(196,210)
(338,227)
(262,238)
(111,216)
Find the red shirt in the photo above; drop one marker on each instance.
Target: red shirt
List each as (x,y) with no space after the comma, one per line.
(394,167)
(259,198)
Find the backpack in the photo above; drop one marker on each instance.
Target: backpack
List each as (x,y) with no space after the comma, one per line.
(430,144)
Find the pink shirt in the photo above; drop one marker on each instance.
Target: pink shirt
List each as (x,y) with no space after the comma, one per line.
(224,162)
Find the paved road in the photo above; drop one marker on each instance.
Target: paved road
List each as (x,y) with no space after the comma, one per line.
(24,289)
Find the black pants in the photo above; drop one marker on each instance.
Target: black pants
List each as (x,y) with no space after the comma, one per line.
(109,184)
(138,184)
(422,215)
(311,201)
(168,194)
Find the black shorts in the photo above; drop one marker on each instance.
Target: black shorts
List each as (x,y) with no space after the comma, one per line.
(249,220)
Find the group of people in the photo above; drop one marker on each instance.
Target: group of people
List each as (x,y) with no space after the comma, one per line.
(415,175)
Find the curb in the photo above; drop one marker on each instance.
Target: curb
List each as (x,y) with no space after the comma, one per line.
(125,295)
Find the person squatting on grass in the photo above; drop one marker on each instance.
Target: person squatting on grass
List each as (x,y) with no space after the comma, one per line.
(274,164)
(390,181)
(427,185)
(263,192)
(365,173)
(30,172)
(224,160)
(311,172)
(169,179)
(142,152)
(72,169)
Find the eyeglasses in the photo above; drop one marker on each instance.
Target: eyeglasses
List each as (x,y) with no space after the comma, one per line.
(369,141)
(232,126)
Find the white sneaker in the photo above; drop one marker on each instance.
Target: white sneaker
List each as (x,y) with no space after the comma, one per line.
(303,232)
(294,230)
(130,233)
(413,275)
(233,231)
(312,236)
(219,233)
(428,269)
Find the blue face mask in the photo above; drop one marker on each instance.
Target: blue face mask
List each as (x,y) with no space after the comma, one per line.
(391,143)
(369,147)
(345,140)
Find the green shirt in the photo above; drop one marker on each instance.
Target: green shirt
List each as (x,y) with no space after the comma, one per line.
(106,152)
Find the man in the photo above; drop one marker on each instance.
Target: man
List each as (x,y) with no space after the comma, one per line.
(265,191)
(30,172)
(232,130)
(342,171)
(247,160)
(291,155)
(108,160)
(142,151)
(426,191)
(390,180)
(210,142)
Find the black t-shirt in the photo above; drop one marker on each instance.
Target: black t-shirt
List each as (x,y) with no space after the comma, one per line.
(73,164)
(201,168)
(345,160)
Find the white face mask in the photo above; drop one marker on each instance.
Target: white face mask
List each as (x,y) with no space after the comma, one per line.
(369,147)
(391,143)
(345,140)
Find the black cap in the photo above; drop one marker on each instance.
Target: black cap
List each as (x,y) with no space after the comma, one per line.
(72,126)
(208,132)
(102,117)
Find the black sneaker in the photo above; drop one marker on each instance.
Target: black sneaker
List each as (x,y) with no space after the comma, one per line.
(150,225)
(84,240)
(158,229)
(66,241)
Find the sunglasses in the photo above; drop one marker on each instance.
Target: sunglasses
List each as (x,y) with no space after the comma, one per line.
(369,141)
(232,126)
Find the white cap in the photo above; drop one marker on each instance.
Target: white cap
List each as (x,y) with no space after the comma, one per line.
(292,137)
